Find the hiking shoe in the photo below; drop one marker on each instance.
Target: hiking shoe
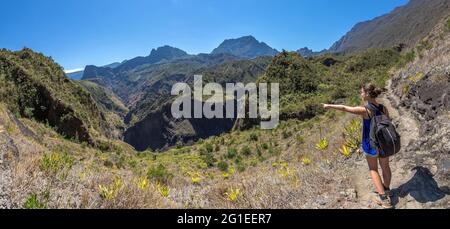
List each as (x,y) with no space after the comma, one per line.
(384,201)
(388,192)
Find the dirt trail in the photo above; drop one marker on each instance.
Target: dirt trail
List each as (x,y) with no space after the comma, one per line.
(407,126)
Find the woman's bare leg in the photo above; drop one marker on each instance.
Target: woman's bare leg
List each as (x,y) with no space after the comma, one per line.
(376,179)
(387,175)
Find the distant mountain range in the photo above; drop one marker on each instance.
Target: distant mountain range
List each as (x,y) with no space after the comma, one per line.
(143,84)
(246,47)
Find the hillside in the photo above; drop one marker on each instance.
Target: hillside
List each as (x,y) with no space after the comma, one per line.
(405,25)
(33,86)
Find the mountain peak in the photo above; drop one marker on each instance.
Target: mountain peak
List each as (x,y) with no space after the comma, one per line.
(166,52)
(246,46)
(156,55)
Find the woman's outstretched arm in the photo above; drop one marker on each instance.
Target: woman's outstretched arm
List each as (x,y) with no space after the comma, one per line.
(353,110)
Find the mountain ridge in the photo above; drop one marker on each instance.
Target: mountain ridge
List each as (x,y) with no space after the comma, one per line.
(404,25)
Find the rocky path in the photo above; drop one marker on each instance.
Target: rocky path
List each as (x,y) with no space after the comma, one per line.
(5,170)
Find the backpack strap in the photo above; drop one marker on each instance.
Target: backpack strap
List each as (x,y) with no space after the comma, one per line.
(368,113)
(374,109)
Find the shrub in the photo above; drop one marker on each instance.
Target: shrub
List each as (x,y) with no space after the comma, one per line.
(405,59)
(55,162)
(207,157)
(246,151)
(232,153)
(159,173)
(35,201)
(286,134)
(300,139)
(424,45)
(253,137)
(222,165)
(209,147)
(241,166)
(265,146)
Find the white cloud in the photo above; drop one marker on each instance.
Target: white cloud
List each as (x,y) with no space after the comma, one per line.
(73,70)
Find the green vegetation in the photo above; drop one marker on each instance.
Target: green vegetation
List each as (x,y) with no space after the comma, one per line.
(232,153)
(159,174)
(232,194)
(55,162)
(207,155)
(246,151)
(163,189)
(405,59)
(423,46)
(35,201)
(253,137)
(222,165)
(352,134)
(322,144)
(305,84)
(34,86)
(108,192)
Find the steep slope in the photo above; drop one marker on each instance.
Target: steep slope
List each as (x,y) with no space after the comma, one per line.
(422,88)
(246,47)
(33,86)
(405,25)
(109,104)
(105,97)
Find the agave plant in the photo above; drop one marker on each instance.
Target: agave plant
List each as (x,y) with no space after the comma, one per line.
(322,145)
(233,194)
(345,150)
(306,161)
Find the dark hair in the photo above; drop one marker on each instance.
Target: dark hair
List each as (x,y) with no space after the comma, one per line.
(371,90)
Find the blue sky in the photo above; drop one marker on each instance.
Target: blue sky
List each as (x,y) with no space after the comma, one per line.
(80,32)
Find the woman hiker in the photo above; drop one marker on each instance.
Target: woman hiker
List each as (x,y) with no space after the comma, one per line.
(369,93)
